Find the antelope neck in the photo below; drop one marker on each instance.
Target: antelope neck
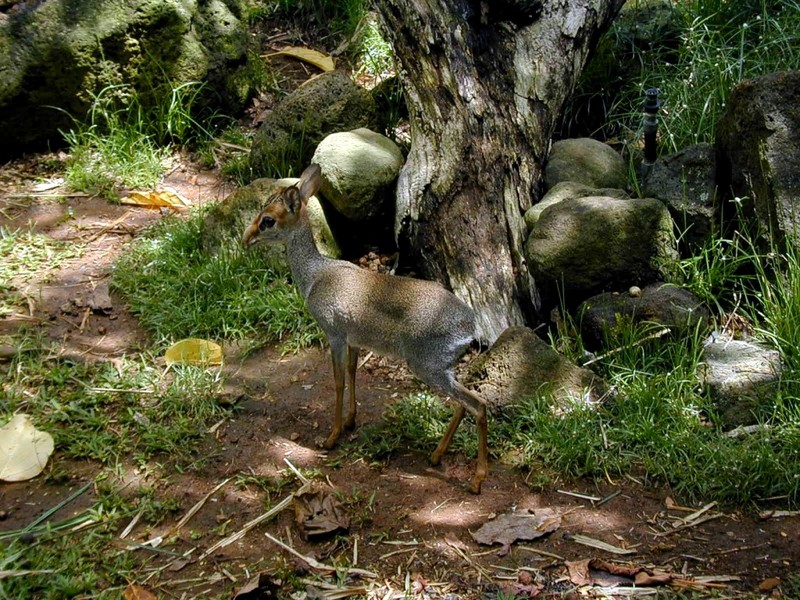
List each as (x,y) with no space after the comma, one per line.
(304,258)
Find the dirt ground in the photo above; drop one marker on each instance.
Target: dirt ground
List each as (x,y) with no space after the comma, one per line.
(411,523)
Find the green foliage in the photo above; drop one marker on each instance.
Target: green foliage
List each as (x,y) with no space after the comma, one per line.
(122,143)
(337,16)
(179,289)
(694,52)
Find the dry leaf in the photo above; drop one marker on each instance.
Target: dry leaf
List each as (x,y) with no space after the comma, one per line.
(593,571)
(319,513)
(194,351)
(769,584)
(262,585)
(137,592)
(163,198)
(322,61)
(24,450)
(508,528)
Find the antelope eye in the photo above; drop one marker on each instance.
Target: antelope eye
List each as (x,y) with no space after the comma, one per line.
(265,223)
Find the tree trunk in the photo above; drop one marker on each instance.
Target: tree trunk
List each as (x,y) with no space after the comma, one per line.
(485,83)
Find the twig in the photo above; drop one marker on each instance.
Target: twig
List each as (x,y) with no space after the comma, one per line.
(694,516)
(741,548)
(303,479)
(692,524)
(581,496)
(314,564)
(7,574)
(126,532)
(775,514)
(193,511)
(364,360)
(652,336)
(254,522)
(542,552)
(611,496)
(600,545)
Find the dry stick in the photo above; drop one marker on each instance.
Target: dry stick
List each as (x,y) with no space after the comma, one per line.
(254,522)
(696,514)
(652,336)
(692,524)
(314,564)
(542,552)
(107,228)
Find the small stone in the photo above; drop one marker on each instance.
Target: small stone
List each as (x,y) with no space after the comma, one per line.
(769,584)
(294,436)
(634,291)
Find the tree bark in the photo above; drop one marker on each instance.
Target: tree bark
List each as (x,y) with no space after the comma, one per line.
(485,83)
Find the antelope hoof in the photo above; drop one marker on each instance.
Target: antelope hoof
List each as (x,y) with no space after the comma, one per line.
(436,458)
(330,443)
(350,422)
(475,485)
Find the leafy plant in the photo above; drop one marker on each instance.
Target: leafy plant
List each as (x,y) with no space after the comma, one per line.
(123,143)
(694,52)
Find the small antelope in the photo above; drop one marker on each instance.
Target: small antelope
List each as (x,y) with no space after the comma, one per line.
(412,319)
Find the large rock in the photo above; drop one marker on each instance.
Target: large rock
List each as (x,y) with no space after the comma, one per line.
(586,161)
(687,183)
(565,190)
(661,304)
(57,54)
(759,142)
(519,365)
(740,376)
(326,104)
(588,245)
(359,171)
(225,222)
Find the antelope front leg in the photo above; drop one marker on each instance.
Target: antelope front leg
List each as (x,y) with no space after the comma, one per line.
(352,364)
(338,356)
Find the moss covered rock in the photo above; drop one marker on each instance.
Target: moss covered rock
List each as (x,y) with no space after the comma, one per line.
(61,53)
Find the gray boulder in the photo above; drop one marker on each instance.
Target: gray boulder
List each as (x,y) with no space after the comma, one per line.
(225,222)
(586,161)
(740,376)
(588,245)
(759,142)
(660,303)
(565,190)
(687,183)
(359,171)
(57,54)
(288,136)
(519,365)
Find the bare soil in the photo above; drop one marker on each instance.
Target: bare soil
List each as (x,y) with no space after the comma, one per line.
(411,523)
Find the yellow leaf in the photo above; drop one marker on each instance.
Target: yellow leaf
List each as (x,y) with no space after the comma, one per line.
(158,199)
(318,59)
(24,450)
(137,592)
(193,351)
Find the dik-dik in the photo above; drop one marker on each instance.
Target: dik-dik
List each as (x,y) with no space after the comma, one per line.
(412,319)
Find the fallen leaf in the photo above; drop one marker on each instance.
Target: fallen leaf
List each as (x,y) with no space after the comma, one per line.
(137,592)
(319,513)
(194,351)
(322,61)
(162,198)
(262,585)
(508,528)
(769,584)
(594,571)
(24,450)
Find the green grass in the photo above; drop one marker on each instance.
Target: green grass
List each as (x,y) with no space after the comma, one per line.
(696,60)
(104,413)
(123,144)
(178,289)
(25,253)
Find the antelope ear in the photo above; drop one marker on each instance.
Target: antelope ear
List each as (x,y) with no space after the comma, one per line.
(309,182)
(292,199)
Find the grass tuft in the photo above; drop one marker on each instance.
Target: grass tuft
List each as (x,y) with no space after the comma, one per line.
(178,289)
